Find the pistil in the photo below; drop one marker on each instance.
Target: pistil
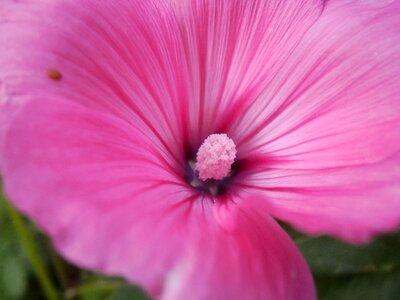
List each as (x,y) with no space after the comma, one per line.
(215,157)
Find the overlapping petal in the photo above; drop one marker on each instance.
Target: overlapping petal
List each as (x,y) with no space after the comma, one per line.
(353,203)
(326,140)
(247,252)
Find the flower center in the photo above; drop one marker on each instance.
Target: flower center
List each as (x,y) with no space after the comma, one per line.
(215,157)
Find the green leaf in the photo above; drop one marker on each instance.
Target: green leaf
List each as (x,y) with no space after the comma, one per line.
(14,270)
(13,277)
(329,257)
(93,297)
(93,287)
(128,292)
(362,287)
(350,272)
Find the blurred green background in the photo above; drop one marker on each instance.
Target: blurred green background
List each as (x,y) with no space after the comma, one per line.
(31,270)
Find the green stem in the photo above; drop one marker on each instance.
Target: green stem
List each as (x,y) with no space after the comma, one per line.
(32,252)
(59,265)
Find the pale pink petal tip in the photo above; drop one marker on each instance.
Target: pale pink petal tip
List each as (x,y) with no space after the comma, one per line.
(215,157)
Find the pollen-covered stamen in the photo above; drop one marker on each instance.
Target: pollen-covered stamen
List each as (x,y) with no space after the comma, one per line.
(215,157)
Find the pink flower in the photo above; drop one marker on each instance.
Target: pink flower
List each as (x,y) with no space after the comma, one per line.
(105,104)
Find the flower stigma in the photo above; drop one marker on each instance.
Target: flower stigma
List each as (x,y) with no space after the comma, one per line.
(214,166)
(215,157)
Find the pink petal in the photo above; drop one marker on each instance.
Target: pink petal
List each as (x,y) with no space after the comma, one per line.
(354,203)
(83,176)
(335,102)
(245,256)
(327,159)
(120,57)
(234,48)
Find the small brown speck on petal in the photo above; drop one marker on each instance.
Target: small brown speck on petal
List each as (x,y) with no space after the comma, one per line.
(54,74)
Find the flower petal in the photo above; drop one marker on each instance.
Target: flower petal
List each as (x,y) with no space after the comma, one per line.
(120,57)
(327,159)
(234,48)
(246,255)
(335,102)
(354,203)
(98,187)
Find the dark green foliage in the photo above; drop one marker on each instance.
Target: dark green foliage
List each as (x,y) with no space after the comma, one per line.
(128,292)
(344,271)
